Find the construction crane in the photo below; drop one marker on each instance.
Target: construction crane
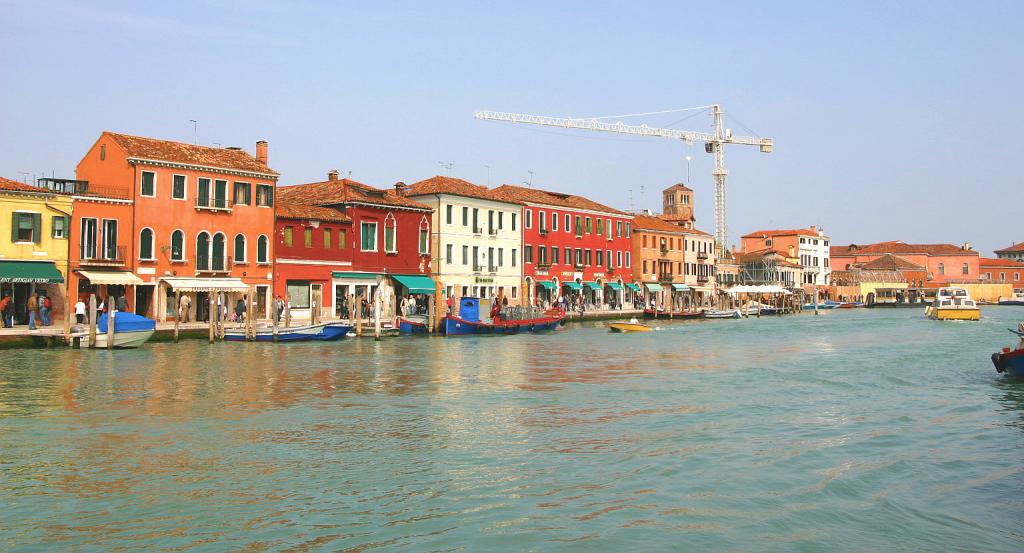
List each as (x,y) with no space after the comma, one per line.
(714,143)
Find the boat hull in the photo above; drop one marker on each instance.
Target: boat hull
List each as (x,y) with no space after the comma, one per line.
(731,314)
(130,339)
(1011,302)
(653,314)
(320,332)
(409,326)
(955,314)
(629,327)
(1010,362)
(455,326)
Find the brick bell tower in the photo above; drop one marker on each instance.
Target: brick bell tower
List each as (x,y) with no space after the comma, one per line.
(677,205)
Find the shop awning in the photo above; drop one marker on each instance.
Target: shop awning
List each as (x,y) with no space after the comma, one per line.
(653,286)
(633,286)
(681,287)
(123,278)
(572,285)
(417,284)
(184,284)
(614,286)
(593,286)
(355,276)
(546,284)
(29,271)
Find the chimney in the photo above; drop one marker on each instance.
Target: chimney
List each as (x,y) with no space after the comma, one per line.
(400,188)
(332,175)
(261,151)
(967,246)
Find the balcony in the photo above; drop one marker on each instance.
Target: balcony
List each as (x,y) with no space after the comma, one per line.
(492,232)
(543,265)
(702,255)
(664,250)
(213,204)
(218,266)
(664,277)
(492,269)
(702,279)
(577,266)
(478,268)
(108,258)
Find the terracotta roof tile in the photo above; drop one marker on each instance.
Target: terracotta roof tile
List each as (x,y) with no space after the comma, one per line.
(17,186)
(455,187)
(786,232)
(896,247)
(890,262)
(648,223)
(989,262)
(344,191)
(537,196)
(288,210)
(679,186)
(191,154)
(1014,248)
(841,278)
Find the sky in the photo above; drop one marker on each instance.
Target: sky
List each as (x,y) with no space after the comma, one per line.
(891,120)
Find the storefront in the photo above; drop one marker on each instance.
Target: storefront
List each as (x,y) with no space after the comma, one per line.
(613,294)
(655,295)
(225,293)
(20,279)
(416,291)
(592,294)
(633,295)
(545,292)
(682,297)
(355,288)
(113,284)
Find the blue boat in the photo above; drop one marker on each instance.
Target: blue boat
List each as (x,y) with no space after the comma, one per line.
(1011,361)
(512,320)
(412,325)
(318,332)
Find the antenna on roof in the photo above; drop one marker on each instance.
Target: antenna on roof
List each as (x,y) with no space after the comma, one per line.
(195,131)
(530,184)
(447,166)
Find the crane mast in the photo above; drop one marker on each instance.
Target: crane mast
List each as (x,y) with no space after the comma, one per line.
(714,143)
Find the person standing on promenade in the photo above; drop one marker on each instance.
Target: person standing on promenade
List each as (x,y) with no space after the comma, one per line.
(278,309)
(80,310)
(240,310)
(183,306)
(7,310)
(33,310)
(121,303)
(45,305)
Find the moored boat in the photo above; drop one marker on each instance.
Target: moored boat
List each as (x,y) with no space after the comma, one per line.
(723,314)
(130,330)
(512,320)
(305,333)
(662,314)
(413,324)
(953,303)
(630,326)
(1011,361)
(753,307)
(1016,299)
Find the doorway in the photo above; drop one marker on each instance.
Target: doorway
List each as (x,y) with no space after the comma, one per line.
(143,299)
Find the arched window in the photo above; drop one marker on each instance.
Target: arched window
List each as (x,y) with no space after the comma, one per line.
(942,269)
(261,250)
(424,236)
(217,253)
(239,248)
(390,230)
(203,252)
(177,246)
(146,244)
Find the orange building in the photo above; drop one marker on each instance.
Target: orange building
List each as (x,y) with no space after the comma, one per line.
(201,220)
(1003,270)
(659,256)
(943,263)
(809,246)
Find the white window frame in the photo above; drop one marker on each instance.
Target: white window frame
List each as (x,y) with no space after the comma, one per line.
(152,244)
(375,237)
(394,245)
(528,215)
(245,250)
(568,223)
(32,241)
(184,238)
(142,179)
(542,222)
(422,245)
(185,197)
(265,260)
(554,222)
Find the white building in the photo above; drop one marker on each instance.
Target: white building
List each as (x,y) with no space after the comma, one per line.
(808,246)
(476,239)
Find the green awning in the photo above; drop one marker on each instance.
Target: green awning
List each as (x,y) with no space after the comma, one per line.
(681,287)
(29,271)
(546,284)
(653,286)
(355,276)
(633,286)
(416,284)
(614,286)
(572,285)
(593,286)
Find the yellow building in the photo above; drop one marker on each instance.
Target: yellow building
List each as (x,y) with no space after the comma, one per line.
(34,236)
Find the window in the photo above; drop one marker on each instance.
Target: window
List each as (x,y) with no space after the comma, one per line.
(242,193)
(579,226)
(628,261)
(942,269)
(341,239)
(264,195)
(588,257)
(203,252)
(599,257)
(542,221)
(298,294)
(177,246)
(554,221)
(768,242)
(568,224)
(618,258)
(148,183)
(514,221)
(217,256)
(390,245)
(645,266)
(465,255)
(109,239)
(590,226)
(618,228)
(628,227)
(542,255)
(424,236)
(966,270)
(239,248)
(448,214)
(288,236)
(178,187)
(527,254)
(146,244)
(476,221)
(528,218)
(327,237)
(307,238)
(1016,276)
(59,226)
(610,262)
(1002,276)
(103,152)
(554,255)
(203,192)
(579,257)
(262,255)
(89,233)
(25,227)
(514,257)
(490,222)
(568,256)
(448,254)
(465,216)
(501,220)
(608,228)
(220,193)
(600,227)
(368,237)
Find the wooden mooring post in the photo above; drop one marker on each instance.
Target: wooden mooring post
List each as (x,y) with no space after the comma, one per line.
(177,317)
(209,318)
(93,315)
(111,314)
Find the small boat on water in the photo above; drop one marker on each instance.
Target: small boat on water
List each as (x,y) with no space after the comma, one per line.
(413,324)
(631,325)
(723,314)
(130,330)
(662,314)
(1011,361)
(305,333)
(510,320)
(1016,299)
(753,307)
(953,303)
(828,304)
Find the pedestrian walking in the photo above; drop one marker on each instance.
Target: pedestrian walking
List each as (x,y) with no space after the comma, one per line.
(183,308)
(45,307)
(80,311)
(7,310)
(33,310)
(240,310)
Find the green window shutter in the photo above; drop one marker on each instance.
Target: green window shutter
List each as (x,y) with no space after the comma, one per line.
(14,227)
(37,227)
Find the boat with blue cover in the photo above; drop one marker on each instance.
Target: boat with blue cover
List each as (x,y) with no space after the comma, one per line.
(1011,361)
(413,324)
(511,320)
(130,330)
(318,332)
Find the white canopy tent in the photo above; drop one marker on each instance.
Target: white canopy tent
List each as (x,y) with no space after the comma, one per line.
(760,289)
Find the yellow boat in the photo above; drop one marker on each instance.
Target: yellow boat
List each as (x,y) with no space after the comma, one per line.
(629,327)
(953,304)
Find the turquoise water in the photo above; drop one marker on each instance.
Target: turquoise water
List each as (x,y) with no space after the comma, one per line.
(857,430)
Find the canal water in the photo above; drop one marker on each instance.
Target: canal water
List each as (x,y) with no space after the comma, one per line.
(856,430)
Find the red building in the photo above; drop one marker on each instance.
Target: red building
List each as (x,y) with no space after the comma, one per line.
(200,222)
(943,263)
(341,237)
(1003,270)
(572,245)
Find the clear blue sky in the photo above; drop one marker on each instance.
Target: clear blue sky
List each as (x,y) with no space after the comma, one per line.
(891,120)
